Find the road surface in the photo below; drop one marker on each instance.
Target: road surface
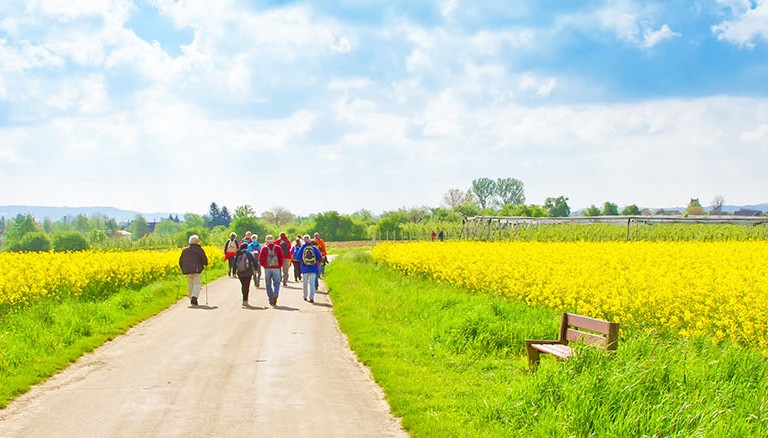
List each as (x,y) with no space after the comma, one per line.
(218,370)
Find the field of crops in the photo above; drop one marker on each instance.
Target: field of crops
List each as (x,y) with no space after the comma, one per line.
(31,277)
(716,289)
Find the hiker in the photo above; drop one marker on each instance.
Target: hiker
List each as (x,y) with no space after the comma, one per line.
(323,252)
(295,258)
(309,255)
(255,248)
(244,266)
(271,259)
(319,263)
(230,251)
(246,239)
(434,235)
(192,262)
(441,236)
(285,245)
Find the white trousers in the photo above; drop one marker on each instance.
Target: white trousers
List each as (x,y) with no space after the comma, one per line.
(194,284)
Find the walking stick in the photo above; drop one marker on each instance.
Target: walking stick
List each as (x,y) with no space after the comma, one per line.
(206,287)
(178,289)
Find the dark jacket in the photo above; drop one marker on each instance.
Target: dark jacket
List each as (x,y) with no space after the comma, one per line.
(193,259)
(244,253)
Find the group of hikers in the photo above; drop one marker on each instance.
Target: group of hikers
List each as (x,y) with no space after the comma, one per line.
(247,257)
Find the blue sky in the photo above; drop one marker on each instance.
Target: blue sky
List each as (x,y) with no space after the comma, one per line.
(161,105)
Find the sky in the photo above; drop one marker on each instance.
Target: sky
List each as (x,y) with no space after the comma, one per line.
(343,105)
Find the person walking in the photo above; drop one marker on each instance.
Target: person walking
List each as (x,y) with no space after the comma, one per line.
(271,259)
(230,251)
(295,258)
(244,267)
(246,239)
(255,248)
(323,252)
(285,245)
(309,256)
(192,261)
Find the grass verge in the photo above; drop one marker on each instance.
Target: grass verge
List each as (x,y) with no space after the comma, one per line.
(452,363)
(39,341)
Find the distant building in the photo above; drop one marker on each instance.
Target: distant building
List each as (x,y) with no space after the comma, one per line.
(747,212)
(122,234)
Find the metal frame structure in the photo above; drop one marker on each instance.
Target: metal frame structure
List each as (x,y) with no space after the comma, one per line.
(484,227)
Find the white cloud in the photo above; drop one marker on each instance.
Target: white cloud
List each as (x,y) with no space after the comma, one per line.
(750,23)
(541,86)
(652,38)
(760,134)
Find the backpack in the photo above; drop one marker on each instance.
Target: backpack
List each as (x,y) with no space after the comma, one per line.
(231,246)
(272,258)
(285,246)
(308,256)
(243,263)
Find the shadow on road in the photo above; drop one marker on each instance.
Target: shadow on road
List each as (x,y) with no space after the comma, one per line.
(203,307)
(322,304)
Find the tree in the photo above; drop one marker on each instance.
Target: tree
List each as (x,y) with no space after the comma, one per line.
(334,227)
(510,191)
(69,241)
(366,216)
(389,226)
(217,216)
(523,210)
(192,220)
(558,207)
(139,227)
(717,205)
(35,241)
(631,210)
(610,209)
(591,211)
(245,220)
(484,190)
(168,227)
(456,198)
(278,216)
(81,223)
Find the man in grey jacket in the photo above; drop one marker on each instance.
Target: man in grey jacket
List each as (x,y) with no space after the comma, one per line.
(192,262)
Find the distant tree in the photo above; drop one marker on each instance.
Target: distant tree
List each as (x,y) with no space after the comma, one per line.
(558,207)
(217,216)
(69,241)
(717,205)
(192,220)
(139,227)
(225,218)
(456,198)
(591,211)
(245,220)
(24,224)
(510,191)
(389,226)
(36,241)
(168,227)
(80,223)
(610,209)
(365,216)
(48,225)
(484,190)
(418,214)
(631,210)
(334,227)
(524,210)
(278,216)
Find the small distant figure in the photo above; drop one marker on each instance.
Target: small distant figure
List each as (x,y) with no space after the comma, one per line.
(441,236)
(192,262)
(245,267)
(310,257)
(271,259)
(434,235)
(254,248)
(230,251)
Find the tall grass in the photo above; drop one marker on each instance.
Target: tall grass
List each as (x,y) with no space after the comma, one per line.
(452,363)
(40,340)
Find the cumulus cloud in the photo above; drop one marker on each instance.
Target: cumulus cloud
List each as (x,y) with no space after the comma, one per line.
(750,23)
(652,38)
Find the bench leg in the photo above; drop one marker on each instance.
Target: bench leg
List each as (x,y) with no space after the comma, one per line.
(533,356)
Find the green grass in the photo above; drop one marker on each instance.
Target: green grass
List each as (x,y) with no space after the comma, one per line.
(452,363)
(38,341)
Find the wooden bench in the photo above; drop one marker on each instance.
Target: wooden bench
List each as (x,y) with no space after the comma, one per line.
(574,328)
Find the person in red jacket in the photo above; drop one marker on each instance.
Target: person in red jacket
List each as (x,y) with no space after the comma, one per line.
(271,259)
(285,244)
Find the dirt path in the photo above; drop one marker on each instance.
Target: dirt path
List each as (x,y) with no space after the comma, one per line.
(216,370)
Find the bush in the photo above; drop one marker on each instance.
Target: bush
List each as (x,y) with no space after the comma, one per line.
(36,241)
(69,241)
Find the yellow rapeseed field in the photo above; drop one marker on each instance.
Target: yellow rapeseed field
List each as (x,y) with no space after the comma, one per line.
(29,277)
(717,289)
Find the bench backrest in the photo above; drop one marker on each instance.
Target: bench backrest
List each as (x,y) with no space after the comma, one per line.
(591,331)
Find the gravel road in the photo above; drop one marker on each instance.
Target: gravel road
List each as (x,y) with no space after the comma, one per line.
(217,370)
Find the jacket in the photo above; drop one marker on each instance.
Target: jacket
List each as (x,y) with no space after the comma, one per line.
(308,269)
(278,252)
(245,253)
(192,260)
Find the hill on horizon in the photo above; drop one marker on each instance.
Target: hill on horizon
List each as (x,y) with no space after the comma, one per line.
(58,213)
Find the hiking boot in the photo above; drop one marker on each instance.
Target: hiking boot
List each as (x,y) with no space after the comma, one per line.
(193,301)
(275,299)
(245,303)
(311,301)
